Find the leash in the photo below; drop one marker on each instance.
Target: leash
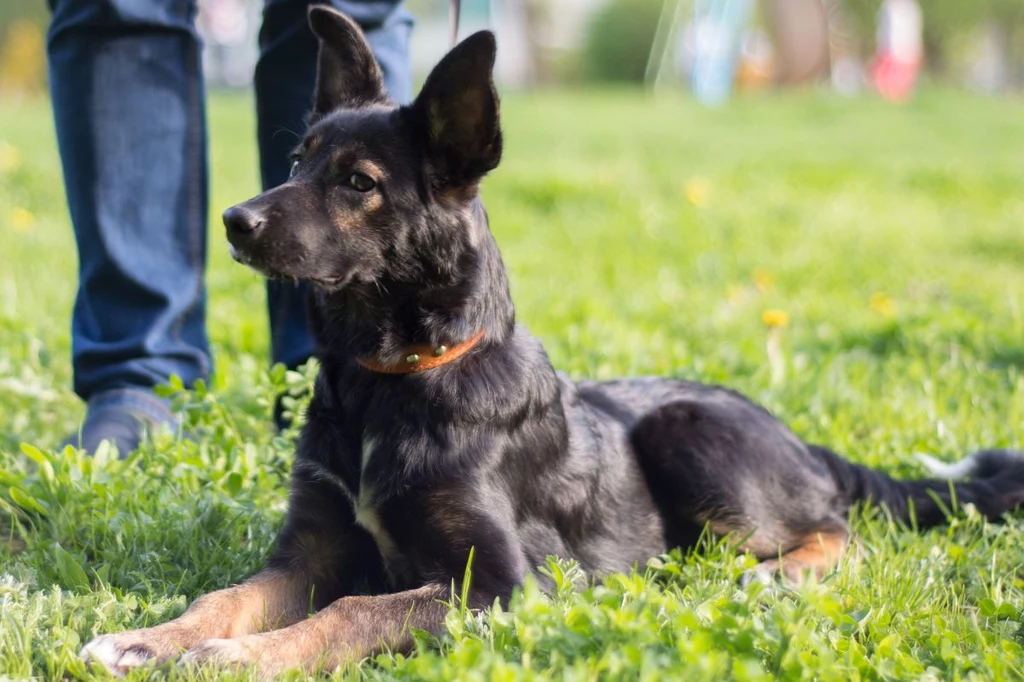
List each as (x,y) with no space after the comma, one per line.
(454,9)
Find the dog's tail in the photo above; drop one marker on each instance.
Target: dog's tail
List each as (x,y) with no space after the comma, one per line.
(996,486)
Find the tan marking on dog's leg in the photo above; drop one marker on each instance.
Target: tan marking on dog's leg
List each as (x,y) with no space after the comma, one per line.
(350,629)
(269,599)
(818,553)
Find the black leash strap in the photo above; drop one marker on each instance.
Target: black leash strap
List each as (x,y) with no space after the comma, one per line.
(454,6)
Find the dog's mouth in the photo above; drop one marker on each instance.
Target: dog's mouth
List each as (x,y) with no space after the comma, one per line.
(239,256)
(243,257)
(328,284)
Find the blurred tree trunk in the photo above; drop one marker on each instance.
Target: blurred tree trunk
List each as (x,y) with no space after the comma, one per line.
(799,30)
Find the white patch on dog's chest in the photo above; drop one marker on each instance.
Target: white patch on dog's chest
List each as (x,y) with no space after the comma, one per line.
(364,457)
(368,517)
(366,513)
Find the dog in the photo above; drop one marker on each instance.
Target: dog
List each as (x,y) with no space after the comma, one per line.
(438,427)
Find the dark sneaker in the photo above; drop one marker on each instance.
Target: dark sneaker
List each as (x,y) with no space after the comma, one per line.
(124,417)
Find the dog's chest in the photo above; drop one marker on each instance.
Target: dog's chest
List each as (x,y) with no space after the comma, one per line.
(368,516)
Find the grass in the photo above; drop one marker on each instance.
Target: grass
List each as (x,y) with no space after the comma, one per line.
(642,236)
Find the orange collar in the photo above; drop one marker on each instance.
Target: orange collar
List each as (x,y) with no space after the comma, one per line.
(420,358)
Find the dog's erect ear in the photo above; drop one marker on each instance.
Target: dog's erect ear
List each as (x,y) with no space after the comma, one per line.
(458,110)
(346,73)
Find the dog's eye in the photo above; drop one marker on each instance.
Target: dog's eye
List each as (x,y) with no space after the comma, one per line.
(295,168)
(361,182)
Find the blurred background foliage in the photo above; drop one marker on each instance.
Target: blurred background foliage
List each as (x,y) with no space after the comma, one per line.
(618,40)
(564,42)
(22,45)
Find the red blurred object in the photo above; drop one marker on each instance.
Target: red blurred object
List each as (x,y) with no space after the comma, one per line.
(894,78)
(900,49)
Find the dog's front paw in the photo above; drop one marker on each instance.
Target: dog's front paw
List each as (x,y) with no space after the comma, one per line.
(248,651)
(220,652)
(765,573)
(123,651)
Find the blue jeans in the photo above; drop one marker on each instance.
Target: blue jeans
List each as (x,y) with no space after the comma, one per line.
(129,107)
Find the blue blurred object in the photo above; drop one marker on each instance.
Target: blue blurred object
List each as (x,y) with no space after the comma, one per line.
(718,27)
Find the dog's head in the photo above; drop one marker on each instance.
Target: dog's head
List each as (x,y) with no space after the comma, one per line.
(378,192)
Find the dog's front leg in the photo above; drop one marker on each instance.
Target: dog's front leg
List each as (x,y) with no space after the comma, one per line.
(320,555)
(270,598)
(349,629)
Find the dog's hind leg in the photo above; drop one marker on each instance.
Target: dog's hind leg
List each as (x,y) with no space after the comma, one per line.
(817,554)
(723,462)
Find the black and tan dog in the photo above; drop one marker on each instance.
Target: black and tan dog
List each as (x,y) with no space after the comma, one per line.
(438,425)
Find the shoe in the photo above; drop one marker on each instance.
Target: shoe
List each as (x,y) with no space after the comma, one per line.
(123,416)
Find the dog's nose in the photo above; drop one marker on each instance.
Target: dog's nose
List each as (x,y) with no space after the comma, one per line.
(241,220)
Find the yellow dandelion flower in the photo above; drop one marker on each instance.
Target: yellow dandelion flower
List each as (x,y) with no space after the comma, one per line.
(22,219)
(881,303)
(762,279)
(697,192)
(775,318)
(9,157)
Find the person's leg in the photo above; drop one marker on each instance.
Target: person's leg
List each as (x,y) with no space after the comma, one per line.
(285,78)
(128,105)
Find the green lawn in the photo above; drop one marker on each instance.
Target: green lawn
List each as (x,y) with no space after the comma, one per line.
(643,236)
